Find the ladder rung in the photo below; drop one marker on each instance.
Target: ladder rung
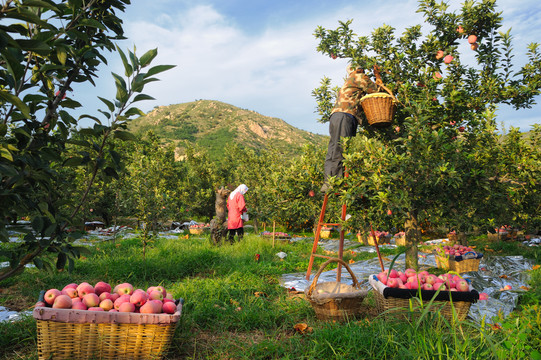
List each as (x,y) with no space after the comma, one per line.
(330,224)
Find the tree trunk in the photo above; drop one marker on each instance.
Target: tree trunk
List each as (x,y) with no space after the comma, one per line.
(413,236)
(218,225)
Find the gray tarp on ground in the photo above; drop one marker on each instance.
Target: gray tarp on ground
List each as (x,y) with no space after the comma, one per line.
(487,280)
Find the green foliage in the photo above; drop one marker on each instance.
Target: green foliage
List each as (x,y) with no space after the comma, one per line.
(40,62)
(441,162)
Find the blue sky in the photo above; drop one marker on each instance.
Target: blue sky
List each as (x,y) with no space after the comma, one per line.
(261,55)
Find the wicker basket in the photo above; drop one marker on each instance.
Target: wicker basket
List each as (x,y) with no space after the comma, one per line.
(196,231)
(379,108)
(83,334)
(395,307)
(369,240)
(400,241)
(325,234)
(466,265)
(335,300)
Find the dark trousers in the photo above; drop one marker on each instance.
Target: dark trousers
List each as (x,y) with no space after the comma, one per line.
(239,232)
(341,125)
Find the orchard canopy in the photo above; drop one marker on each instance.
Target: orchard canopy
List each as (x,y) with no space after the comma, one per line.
(442,162)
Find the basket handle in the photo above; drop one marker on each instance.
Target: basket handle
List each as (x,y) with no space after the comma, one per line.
(316,277)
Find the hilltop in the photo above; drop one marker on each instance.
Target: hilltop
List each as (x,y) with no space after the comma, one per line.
(215,125)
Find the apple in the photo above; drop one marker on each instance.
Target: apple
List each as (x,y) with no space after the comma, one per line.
(403,277)
(114,296)
(91,300)
(439,54)
(140,297)
(437,76)
(85,288)
(149,308)
(439,286)
(392,282)
(311,193)
(79,306)
(410,272)
(71,292)
(423,273)
(483,296)
(413,285)
(62,302)
(431,279)
(393,273)
(158,305)
(106,304)
(162,289)
(472,39)
(95,308)
(72,285)
(124,288)
(460,29)
(474,46)
(75,300)
(50,295)
(122,299)
(126,307)
(101,287)
(382,277)
(447,59)
(427,286)
(389,212)
(507,287)
(169,296)
(107,295)
(169,307)
(155,295)
(40,304)
(113,310)
(462,285)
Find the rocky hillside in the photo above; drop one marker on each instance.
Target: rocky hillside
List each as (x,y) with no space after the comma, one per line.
(214,125)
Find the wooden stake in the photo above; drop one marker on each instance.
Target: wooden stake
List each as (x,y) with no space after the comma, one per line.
(273,232)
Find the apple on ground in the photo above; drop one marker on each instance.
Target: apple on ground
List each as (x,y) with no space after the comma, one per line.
(62,302)
(50,295)
(483,296)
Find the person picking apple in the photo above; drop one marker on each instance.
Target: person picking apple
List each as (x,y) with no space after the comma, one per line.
(236,207)
(345,117)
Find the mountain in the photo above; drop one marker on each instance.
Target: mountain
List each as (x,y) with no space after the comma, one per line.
(215,125)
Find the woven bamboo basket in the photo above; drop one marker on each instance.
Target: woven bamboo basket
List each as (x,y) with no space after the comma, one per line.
(83,334)
(369,240)
(335,300)
(325,234)
(400,241)
(196,231)
(379,108)
(395,307)
(466,265)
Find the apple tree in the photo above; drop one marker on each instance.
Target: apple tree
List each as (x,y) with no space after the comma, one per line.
(47,48)
(436,163)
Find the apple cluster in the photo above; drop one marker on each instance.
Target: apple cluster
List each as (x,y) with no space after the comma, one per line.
(410,279)
(456,249)
(199,226)
(101,297)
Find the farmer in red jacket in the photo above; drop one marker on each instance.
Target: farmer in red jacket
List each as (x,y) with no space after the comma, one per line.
(345,117)
(236,207)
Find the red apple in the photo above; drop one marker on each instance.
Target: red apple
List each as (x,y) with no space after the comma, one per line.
(392,282)
(427,286)
(472,39)
(50,295)
(95,308)
(101,287)
(139,297)
(507,287)
(113,310)
(62,302)
(410,272)
(126,307)
(382,276)
(71,292)
(483,296)
(311,193)
(122,299)
(447,59)
(439,286)
(40,304)
(72,285)
(169,307)
(462,285)
(124,288)
(460,29)
(158,305)
(155,295)
(107,295)
(474,46)
(393,273)
(431,279)
(79,306)
(91,300)
(439,54)
(85,288)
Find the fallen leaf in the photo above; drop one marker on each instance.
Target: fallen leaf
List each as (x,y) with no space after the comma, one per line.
(351,261)
(535,267)
(302,328)
(525,288)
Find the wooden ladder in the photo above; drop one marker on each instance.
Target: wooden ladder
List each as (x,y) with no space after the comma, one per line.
(320,224)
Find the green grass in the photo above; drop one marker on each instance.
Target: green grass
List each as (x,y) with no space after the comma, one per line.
(223,318)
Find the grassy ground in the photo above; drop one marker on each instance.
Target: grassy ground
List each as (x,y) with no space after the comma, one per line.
(235,307)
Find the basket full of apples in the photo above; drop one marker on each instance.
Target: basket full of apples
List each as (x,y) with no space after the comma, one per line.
(405,292)
(83,321)
(458,258)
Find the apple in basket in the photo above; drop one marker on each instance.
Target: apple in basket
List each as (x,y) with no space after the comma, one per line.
(169,307)
(50,295)
(107,295)
(101,287)
(71,292)
(78,305)
(121,300)
(126,307)
(91,300)
(463,285)
(439,286)
(382,276)
(84,288)
(139,297)
(392,282)
(106,304)
(124,288)
(62,302)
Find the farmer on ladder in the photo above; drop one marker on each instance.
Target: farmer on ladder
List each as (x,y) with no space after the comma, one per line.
(345,117)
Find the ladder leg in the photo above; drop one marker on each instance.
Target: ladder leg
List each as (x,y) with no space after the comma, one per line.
(317,235)
(341,245)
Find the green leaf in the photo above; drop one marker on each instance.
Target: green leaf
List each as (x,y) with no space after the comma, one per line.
(4,153)
(147,57)
(158,69)
(43,4)
(124,135)
(61,54)
(61,260)
(134,111)
(38,47)
(141,97)
(127,67)
(73,161)
(23,108)
(92,23)
(37,224)
(38,262)
(90,117)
